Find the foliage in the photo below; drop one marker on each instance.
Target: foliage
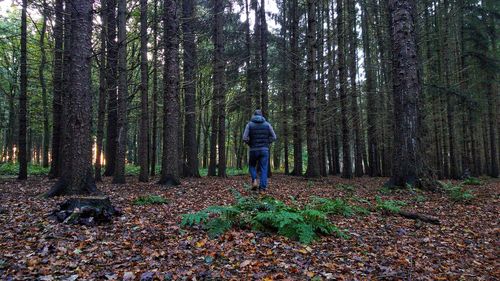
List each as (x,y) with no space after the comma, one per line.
(472,181)
(150,200)
(389,206)
(458,193)
(265,214)
(386,190)
(12,169)
(336,206)
(231,171)
(346,187)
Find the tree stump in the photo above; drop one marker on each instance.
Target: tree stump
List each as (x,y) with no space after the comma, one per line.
(88,211)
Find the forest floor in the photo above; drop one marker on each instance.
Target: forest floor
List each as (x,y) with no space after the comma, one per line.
(148,241)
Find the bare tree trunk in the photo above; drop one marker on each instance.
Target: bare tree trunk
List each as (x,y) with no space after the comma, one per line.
(22,153)
(57,83)
(41,70)
(313,169)
(296,106)
(154,138)
(111,131)
(144,123)
(102,94)
(76,175)
(119,173)
(170,174)
(190,67)
(407,156)
(219,87)
(346,148)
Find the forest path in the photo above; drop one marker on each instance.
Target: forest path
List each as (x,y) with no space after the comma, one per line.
(148,239)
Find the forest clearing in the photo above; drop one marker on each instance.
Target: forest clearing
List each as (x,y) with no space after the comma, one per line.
(148,240)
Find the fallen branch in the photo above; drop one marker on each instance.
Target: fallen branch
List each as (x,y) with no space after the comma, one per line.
(420,217)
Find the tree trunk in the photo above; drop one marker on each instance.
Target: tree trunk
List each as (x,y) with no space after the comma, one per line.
(219,87)
(119,173)
(102,94)
(190,67)
(57,83)
(76,175)
(346,149)
(41,70)
(111,131)
(22,153)
(296,105)
(373,167)
(352,37)
(144,123)
(154,141)
(313,168)
(407,165)
(170,167)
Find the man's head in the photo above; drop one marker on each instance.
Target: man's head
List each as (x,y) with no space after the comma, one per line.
(258,112)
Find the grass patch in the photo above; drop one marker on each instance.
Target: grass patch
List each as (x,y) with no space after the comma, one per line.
(458,193)
(150,200)
(12,169)
(472,181)
(265,214)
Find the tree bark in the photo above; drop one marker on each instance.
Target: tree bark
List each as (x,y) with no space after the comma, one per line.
(22,149)
(190,67)
(119,172)
(296,106)
(76,175)
(144,123)
(112,52)
(154,142)
(170,168)
(313,167)
(219,87)
(43,84)
(102,94)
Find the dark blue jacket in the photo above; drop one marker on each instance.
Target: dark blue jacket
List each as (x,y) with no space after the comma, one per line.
(259,134)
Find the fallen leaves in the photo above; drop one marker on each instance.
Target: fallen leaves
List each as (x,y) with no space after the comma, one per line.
(146,243)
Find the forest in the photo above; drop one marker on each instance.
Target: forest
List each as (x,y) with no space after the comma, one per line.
(129,140)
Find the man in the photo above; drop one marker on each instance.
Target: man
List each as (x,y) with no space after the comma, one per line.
(259,134)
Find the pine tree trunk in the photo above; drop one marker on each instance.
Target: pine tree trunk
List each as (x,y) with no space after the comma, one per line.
(57,90)
(22,152)
(144,123)
(296,105)
(119,172)
(190,67)
(407,156)
(219,87)
(154,138)
(313,168)
(102,94)
(346,149)
(76,175)
(41,72)
(112,53)
(170,173)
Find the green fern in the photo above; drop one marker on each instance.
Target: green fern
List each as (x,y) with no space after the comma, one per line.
(389,206)
(472,181)
(336,206)
(150,200)
(264,214)
(458,193)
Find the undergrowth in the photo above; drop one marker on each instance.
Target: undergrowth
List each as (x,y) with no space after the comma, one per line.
(268,214)
(389,206)
(12,169)
(150,200)
(458,193)
(472,181)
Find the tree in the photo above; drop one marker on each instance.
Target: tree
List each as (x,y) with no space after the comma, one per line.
(296,105)
(144,128)
(102,92)
(407,155)
(76,173)
(22,154)
(154,142)
(112,52)
(346,148)
(313,167)
(170,169)
(41,74)
(119,172)
(190,57)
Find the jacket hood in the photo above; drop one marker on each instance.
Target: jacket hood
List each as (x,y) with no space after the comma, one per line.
(258,119)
